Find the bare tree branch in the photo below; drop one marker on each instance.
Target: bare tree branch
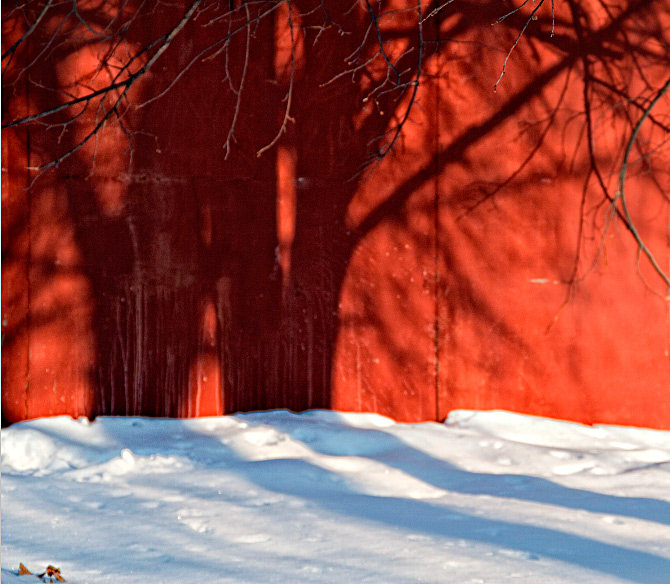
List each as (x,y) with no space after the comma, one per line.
(518,38)
(127,85)
(375,23)
(621,194)
(289,96)
(33,26)
(238,91)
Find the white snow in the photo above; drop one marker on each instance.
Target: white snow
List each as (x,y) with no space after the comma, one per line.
(330,497)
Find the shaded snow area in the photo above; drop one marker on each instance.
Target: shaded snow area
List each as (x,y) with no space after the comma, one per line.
(330,497)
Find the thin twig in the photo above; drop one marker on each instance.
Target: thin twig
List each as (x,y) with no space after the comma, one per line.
(26,34)
(504,16)
(231,131)
(89,96)
(516,42)
(200,55)
(289,97)
(128,84)
(436,11)
(380,39)
(642,247)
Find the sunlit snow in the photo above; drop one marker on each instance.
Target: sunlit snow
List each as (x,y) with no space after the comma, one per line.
(329,497)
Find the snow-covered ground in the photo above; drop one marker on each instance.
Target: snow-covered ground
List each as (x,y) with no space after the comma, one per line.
(331,497)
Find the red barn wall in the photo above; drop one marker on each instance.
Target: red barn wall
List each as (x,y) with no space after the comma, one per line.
(188,281)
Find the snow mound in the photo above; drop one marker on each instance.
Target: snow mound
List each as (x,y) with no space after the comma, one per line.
(129,463)
(26,450)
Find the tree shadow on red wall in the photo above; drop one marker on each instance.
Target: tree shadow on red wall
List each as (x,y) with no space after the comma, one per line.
(171,275)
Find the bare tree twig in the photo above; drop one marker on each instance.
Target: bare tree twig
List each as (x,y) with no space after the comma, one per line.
(419,64)
(90,96)
(375,23)
(289,97)
(436,10)
(621,195)
(128,84)
(10,50)
(518,38)
(206,50)
(238,91)
(504,16)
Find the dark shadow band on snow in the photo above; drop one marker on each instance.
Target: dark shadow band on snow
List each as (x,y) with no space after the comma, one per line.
(288,477)
(444,475)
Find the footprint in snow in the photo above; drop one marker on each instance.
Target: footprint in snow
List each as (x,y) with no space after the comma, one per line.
(252,538)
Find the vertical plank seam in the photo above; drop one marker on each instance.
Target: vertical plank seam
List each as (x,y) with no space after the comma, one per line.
(436,229)
(29,253)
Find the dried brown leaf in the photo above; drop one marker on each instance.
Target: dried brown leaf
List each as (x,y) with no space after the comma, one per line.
(51,573)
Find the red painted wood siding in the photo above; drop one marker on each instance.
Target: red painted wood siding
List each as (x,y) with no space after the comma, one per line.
(185,283)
